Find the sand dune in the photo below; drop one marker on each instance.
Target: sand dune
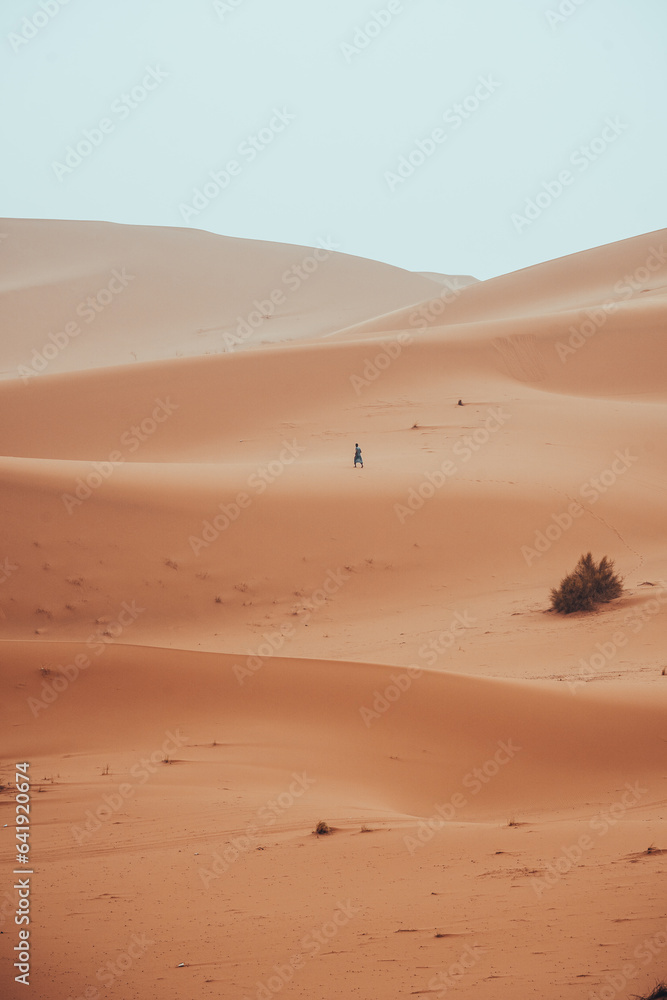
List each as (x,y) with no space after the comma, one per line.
(80,295)
(204,604)
(613,274)
(532,734)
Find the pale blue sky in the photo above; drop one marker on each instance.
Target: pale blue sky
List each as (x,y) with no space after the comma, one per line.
(220,69)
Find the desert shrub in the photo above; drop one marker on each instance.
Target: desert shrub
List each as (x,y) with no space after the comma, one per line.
(588,585)
(574,594)
(322,828)
(659,991)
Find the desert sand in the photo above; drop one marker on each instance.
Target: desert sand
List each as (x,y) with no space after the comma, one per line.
(216,632)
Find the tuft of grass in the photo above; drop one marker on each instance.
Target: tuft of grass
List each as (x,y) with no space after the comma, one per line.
(659,993)
(587,586)
(322,829)
(218,599)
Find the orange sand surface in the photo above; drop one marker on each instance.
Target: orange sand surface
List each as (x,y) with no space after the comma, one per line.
(216,632)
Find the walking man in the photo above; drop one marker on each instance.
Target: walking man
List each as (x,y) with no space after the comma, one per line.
(357,456)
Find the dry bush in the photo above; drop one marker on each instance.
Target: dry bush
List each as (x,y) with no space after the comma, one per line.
(659,993)
(587,586)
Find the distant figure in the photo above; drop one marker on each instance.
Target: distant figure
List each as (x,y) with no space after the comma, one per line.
(460,402)
(357,456)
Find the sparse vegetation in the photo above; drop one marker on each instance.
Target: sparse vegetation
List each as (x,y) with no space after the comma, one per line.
(587,586)
(659,993)
(322,829)
(171,564)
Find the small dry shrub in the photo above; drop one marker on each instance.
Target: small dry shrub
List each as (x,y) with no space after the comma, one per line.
(587,586)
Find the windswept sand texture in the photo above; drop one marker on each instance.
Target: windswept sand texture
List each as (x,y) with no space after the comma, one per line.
(216,632)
